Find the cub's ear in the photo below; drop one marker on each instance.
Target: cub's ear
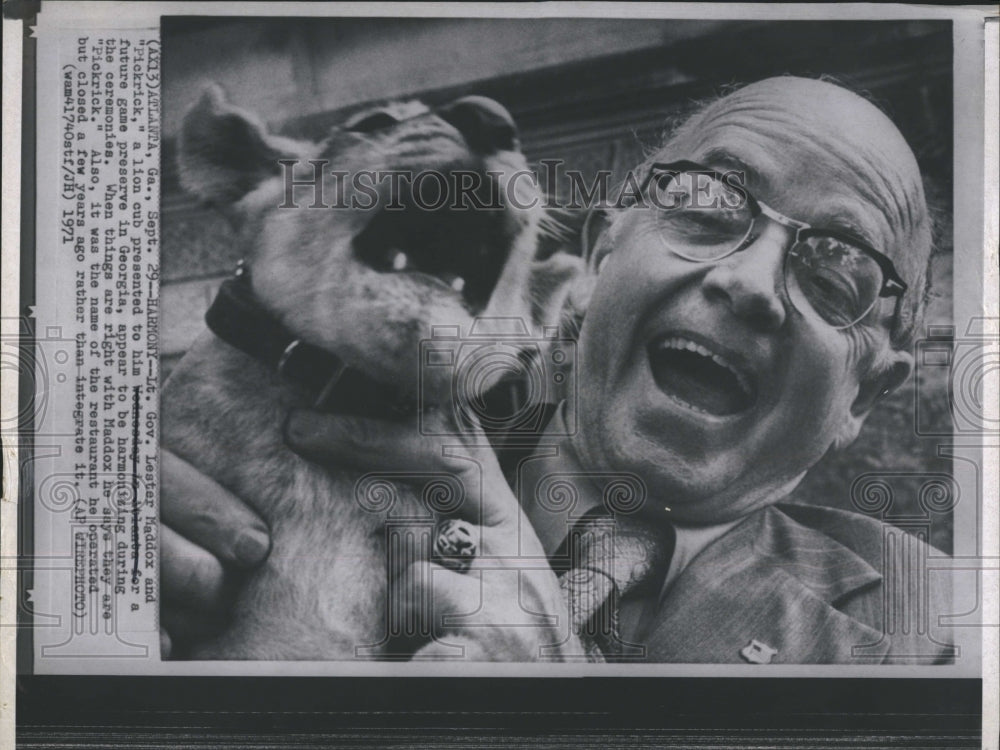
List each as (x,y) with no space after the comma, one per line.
(225,153)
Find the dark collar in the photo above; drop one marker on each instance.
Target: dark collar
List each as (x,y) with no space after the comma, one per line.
(238,318)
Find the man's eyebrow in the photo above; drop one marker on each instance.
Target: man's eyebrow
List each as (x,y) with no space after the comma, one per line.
(843,219)
(848,228)
(718,157)
(840,222)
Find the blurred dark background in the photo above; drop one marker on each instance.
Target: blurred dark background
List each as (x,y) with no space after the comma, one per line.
(598,94)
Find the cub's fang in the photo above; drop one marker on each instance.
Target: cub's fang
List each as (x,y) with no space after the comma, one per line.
(400,261)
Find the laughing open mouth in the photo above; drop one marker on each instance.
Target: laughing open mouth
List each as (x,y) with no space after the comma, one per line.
(461,250)
(699,378)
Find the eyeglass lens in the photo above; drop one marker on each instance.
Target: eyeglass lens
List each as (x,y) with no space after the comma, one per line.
(701,218)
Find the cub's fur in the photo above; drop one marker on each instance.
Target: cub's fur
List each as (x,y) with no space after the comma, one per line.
(322,592)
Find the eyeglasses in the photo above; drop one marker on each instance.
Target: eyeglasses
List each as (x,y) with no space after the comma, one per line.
(704,216)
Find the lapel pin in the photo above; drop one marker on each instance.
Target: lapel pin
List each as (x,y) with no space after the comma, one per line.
(756,652)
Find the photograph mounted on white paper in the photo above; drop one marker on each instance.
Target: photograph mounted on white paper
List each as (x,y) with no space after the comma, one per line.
(534,346)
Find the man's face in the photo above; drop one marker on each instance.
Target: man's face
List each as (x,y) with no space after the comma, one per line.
(703,378)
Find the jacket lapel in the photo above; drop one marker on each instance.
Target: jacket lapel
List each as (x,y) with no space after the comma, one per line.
(768,589)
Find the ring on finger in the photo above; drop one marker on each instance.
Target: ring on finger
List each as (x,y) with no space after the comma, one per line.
(455,545)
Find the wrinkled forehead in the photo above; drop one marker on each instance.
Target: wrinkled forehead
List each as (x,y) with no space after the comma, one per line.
(817,153)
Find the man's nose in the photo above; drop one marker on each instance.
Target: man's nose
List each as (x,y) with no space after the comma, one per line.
(750,281)
(485,124)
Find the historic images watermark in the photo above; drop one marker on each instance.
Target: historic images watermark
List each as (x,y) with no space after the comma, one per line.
(315,184)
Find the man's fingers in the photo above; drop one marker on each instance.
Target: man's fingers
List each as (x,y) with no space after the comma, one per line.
(209,515)
(400,448)
(181,626)
(190,575)
(507,598)
(360,442)
(430,592)
(205,528)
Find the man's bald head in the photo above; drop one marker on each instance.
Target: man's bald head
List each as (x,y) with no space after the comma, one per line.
(803,127)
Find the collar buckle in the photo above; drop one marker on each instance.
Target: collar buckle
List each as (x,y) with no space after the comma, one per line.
(301,362)
(286,355)
(237,318)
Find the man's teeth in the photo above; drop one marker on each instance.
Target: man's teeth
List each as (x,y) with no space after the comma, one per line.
(401,262)
(686,403)
(681,343)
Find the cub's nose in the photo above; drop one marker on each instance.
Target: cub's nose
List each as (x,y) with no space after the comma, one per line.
(486,125)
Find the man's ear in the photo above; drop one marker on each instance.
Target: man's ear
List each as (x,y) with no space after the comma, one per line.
(551,285)
(225,153)
(594,249)
(594,246)
(891,373)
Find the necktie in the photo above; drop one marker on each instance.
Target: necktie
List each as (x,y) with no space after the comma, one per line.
(611,557)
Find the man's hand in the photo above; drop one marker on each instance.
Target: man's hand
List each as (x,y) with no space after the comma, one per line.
(208,535)
(508,606)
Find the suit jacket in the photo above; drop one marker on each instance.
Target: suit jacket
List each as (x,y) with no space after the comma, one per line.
(791,584)
(797,584)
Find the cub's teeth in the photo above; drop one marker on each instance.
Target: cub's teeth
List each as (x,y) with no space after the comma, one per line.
(458,284)
(400,261)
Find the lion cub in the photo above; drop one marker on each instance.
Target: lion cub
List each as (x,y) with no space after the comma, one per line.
(358,286)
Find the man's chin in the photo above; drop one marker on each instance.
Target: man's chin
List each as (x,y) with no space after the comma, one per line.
(680,481)
(722,502)
(685,468)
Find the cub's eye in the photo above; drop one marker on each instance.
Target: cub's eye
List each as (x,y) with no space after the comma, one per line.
(371,122)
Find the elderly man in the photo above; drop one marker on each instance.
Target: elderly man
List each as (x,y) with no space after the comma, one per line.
(751,302)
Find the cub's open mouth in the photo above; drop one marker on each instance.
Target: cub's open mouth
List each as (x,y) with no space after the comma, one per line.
(460,248)
(699,378)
